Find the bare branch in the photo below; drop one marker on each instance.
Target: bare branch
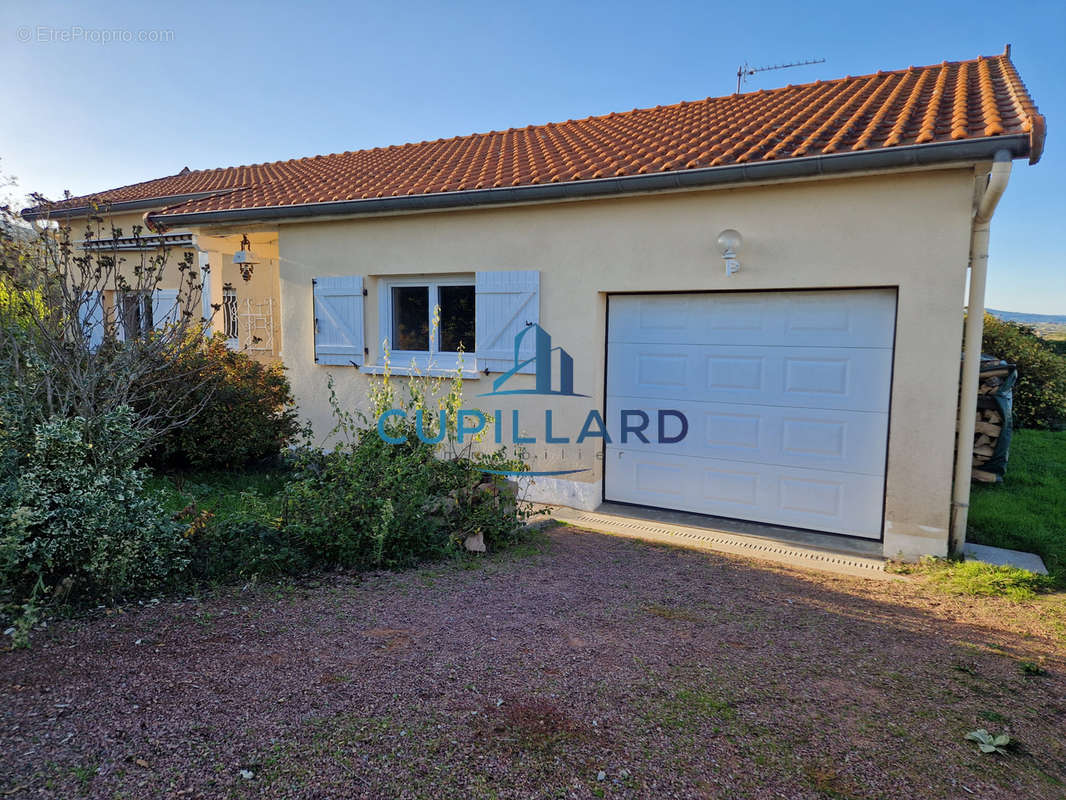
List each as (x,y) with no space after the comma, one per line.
(78,335)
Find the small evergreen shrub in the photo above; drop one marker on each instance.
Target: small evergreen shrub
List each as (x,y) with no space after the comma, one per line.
(1040,394)
(248,412)
(77,524)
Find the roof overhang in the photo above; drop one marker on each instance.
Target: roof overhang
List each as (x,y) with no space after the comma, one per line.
(909,156)
(47,212)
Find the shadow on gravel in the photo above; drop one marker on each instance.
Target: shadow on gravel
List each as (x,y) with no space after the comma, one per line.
(582,666)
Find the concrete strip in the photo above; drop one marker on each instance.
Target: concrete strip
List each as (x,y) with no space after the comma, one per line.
(712,540)
(1002,557)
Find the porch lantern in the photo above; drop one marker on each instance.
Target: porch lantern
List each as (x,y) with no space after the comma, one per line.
(245,258)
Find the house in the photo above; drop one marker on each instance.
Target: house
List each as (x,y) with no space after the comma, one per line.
(760,295)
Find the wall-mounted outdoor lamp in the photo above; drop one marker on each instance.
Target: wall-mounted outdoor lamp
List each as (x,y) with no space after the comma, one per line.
(245,259)
(729,242)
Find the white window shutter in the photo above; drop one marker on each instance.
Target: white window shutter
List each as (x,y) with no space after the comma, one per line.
(92,319)
(339,320)
(164,307)
(507,302)
(204,260)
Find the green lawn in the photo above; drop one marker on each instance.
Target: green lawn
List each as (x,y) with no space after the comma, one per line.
(218,492)
(1028,510)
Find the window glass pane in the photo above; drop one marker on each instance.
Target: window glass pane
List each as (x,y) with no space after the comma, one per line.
(136,314)
(410,318)
(456,318)
(131,315)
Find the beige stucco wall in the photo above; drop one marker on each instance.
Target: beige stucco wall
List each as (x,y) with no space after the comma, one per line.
(263,289)
(907,230)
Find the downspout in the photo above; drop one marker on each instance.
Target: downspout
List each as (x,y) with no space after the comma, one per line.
(984,208)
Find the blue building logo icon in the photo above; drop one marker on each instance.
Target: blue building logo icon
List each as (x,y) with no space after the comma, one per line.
(471,422)
(542,362)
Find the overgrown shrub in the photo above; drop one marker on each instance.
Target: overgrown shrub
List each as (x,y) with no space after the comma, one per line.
(77,523)
(247,411)
(372,504)
(1040,394)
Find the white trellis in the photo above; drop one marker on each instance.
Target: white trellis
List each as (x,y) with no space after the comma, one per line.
(257,324)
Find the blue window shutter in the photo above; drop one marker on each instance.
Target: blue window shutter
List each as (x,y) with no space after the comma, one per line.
(92,319)
(338,307)
(506,303)
(204,261)
(165,308)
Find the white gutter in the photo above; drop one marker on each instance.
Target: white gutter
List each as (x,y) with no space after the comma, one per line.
(984,207)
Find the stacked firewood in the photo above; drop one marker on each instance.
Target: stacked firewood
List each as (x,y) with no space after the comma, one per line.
(989,423)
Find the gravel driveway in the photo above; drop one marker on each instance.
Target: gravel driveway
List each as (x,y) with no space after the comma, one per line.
(577,666)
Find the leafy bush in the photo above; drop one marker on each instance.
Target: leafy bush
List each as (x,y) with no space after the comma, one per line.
(247,411)
(372,504)
(19,308)
(1040,394)
(77,523)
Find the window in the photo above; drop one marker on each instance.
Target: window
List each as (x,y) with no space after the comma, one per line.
(134,311)
(408,320)
(229,314)
(456,318)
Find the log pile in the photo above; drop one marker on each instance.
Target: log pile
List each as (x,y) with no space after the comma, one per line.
(989,423)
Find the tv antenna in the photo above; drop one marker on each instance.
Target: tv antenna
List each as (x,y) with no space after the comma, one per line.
(744,70)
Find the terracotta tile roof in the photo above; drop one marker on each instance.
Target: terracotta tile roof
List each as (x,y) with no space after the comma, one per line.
(182,184)
(947,102)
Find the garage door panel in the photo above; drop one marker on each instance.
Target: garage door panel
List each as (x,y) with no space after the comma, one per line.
(786,396)
(819,500)
(798,437)
(863,318)
(802,319)
(848,378)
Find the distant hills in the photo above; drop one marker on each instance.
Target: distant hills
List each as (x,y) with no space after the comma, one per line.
(1051,327)
(1029,319)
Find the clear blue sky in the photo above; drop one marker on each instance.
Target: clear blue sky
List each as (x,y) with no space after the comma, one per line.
(238,84)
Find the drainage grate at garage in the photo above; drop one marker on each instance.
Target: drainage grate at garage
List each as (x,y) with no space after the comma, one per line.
(724,542)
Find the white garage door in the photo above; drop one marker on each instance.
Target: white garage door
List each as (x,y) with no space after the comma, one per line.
(786,396)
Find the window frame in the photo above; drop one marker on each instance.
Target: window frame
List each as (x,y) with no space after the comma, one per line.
(422,359)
